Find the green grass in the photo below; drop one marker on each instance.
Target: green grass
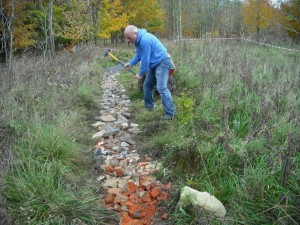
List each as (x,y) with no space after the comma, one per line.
(43,197)
(235,135)
(49,109)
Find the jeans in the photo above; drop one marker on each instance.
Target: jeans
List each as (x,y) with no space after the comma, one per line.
(159,75)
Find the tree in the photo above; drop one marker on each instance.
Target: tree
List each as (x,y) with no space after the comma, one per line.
(148,14)
(258,15)
(291,12)
(7,27)
(230,18)
(72,22)
(51,32)
(112,19)
(95,7)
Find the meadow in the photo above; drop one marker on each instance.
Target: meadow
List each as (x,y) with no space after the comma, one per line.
(47,108)
(236,135)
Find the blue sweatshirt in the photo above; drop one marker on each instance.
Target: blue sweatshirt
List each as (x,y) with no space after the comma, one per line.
(149,50)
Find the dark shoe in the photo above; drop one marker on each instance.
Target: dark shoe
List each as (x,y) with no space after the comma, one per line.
(150,108)
(167,117)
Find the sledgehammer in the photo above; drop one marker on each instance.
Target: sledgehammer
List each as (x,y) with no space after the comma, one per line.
(107,52)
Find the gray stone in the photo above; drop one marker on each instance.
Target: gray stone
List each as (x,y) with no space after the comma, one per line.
(111,182)
(134,125)
(110,131)
(134,130)
(98,124)
(124,144)
(98,134)
(107,118)
(126,114)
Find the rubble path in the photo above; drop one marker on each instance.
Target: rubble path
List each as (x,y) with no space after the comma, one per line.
(129,185)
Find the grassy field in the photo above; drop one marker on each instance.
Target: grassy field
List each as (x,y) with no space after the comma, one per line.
(47,108)
(237,135)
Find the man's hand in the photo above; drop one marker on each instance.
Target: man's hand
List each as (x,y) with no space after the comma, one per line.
(138,76)
(127,66)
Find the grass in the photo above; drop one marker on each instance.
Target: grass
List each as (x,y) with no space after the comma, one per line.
(236,133)
(42,196)
(236,136)
(48,106)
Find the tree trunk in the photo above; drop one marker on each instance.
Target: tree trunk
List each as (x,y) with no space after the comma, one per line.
(180,20)
(95,6)
(51,32)
(3,17)
(11,37)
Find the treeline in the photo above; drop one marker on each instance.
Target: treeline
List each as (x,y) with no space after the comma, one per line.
(48,25)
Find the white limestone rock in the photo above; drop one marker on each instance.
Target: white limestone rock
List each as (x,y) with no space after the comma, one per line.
(201,200)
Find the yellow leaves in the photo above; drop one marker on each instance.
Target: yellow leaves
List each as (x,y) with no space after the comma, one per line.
(76,27)
(290,17)
(112,18)
(258,15)
(148,14)
(22,37)
(116,15)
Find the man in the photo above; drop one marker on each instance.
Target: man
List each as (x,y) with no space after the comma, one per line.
(156,63)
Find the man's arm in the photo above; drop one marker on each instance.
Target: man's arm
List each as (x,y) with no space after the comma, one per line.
(134,60)
(145,59)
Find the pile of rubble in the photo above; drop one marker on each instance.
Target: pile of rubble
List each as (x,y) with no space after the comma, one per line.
(129,184)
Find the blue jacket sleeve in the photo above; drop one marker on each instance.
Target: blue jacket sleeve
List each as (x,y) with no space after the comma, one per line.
(135,60)
(145,60)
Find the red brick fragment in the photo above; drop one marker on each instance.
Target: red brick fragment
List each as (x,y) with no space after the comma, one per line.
(131,187)
(146,222)
(119,171)
(168,186)
(137,222)
(155,192)
(109,169)
(163,196)
(164,216)
(109,198)
(133,209)
(146,197)
(134,198)
(147,185)
(126,220)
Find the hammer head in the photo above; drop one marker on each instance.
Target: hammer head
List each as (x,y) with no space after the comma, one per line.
(106,52)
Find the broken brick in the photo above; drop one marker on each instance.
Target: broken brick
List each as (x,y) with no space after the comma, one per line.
(109,198)
(146,197)
(163,196)
(131,187)
(133,198)
(119,171)
(164,216)
(126,219)
(155,192)
(109,169)
(137,222)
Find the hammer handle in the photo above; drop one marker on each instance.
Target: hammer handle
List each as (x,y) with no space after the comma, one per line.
(123,64)
(130,70)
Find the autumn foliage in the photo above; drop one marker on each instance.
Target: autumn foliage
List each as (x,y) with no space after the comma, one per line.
(78,20)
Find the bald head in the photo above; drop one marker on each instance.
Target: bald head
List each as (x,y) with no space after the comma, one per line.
(131,33)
